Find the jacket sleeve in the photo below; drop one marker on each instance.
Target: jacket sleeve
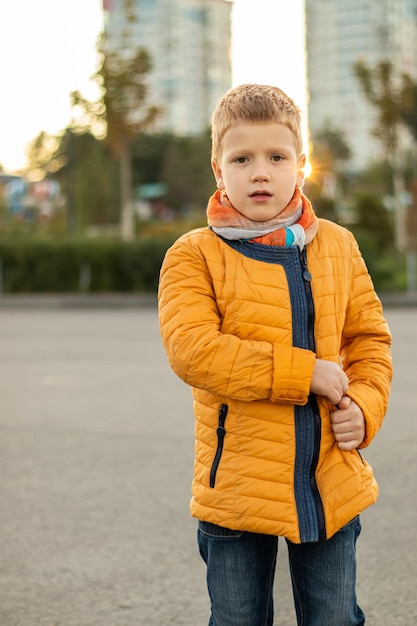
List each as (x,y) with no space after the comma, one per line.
(206,358)
(366,348)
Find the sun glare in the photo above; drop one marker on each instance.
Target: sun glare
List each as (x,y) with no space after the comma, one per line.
(308,169)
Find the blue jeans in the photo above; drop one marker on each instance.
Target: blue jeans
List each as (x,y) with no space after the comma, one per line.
(240,577)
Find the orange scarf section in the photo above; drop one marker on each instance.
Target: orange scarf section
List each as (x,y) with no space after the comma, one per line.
(222,215)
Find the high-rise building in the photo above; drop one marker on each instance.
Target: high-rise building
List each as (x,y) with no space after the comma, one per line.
(338,34)
(189,44)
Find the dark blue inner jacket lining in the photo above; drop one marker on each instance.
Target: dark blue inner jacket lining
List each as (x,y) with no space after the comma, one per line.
(305,432)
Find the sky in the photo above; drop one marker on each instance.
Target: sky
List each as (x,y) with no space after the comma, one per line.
(48,49)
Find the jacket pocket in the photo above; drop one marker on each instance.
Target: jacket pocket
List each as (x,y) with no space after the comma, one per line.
(221,432)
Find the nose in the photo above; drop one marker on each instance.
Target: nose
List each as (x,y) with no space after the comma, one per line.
(260,173)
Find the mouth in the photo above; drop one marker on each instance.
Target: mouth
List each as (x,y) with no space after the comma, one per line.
(261,195)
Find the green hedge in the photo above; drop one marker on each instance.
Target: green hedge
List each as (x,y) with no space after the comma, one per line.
(36,266)
(387,269)
(110,265)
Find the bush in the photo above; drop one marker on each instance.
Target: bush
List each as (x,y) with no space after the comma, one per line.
(387,269)
(34,265)
(42,266)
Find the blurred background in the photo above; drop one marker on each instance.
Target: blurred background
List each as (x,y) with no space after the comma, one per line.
(105,141)
(105,160)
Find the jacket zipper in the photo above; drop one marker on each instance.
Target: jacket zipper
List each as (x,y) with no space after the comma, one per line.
(310,306)
(313,402)
(360,456)
(221,432)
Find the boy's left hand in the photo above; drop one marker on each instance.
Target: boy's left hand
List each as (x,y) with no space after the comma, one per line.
(348,424)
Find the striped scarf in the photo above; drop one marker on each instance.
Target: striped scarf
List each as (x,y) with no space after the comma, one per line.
(295,225)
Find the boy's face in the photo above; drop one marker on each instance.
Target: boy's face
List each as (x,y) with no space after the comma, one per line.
(259,168)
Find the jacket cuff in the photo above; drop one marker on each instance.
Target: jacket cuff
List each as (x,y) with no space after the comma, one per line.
(293,371)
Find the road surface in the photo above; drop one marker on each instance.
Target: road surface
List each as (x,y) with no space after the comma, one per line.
(96,451)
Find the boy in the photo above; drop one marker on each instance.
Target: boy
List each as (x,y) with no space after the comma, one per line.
(271,316)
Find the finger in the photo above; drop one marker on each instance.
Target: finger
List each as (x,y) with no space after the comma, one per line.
(345,381)
(340,417)
(345,386)
(351,444)
(344,403)
(342,429)
(336,396)
(343,433)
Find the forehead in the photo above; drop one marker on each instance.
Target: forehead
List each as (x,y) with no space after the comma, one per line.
(262,135)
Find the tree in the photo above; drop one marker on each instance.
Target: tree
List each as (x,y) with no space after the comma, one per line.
(119,114)
(89,179)
(44,156)
(330,151)
(384,89)
(394,98)
(374,219)
(334,142)
(181,163)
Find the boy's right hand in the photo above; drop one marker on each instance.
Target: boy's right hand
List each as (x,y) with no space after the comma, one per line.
(329,380)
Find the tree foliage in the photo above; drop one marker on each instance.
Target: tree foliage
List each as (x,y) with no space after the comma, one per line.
(90,181)
(44,156)
(384,91)
(120,113)
(409,105)
(393,96)
(181,163)
(330,144)
(329,153)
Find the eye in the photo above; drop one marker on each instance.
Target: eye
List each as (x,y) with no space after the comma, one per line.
(241,159)
(277,157)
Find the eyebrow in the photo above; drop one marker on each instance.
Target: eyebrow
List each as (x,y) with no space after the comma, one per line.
(236,151)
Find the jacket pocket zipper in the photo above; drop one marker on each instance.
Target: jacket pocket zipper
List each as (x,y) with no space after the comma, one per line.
(360,456)
(221,432)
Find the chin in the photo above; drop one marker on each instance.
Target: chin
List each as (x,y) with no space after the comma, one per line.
(263,217)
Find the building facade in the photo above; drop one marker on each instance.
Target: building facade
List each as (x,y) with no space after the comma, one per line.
(338,34)
(189,43)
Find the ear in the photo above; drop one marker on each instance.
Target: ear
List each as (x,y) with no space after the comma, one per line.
(217,174)
(300,174)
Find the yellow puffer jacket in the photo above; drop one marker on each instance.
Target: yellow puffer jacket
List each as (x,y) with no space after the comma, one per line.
(239,325)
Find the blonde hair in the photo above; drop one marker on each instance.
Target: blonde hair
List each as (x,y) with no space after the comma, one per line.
(254,103)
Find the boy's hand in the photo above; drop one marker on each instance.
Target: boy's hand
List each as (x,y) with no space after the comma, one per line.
(329,380)
(348,424)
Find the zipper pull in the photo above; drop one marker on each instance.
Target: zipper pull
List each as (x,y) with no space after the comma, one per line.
(221,431)
(306,274)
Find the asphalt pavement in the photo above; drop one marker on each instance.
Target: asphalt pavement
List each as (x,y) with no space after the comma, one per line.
(96,453)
